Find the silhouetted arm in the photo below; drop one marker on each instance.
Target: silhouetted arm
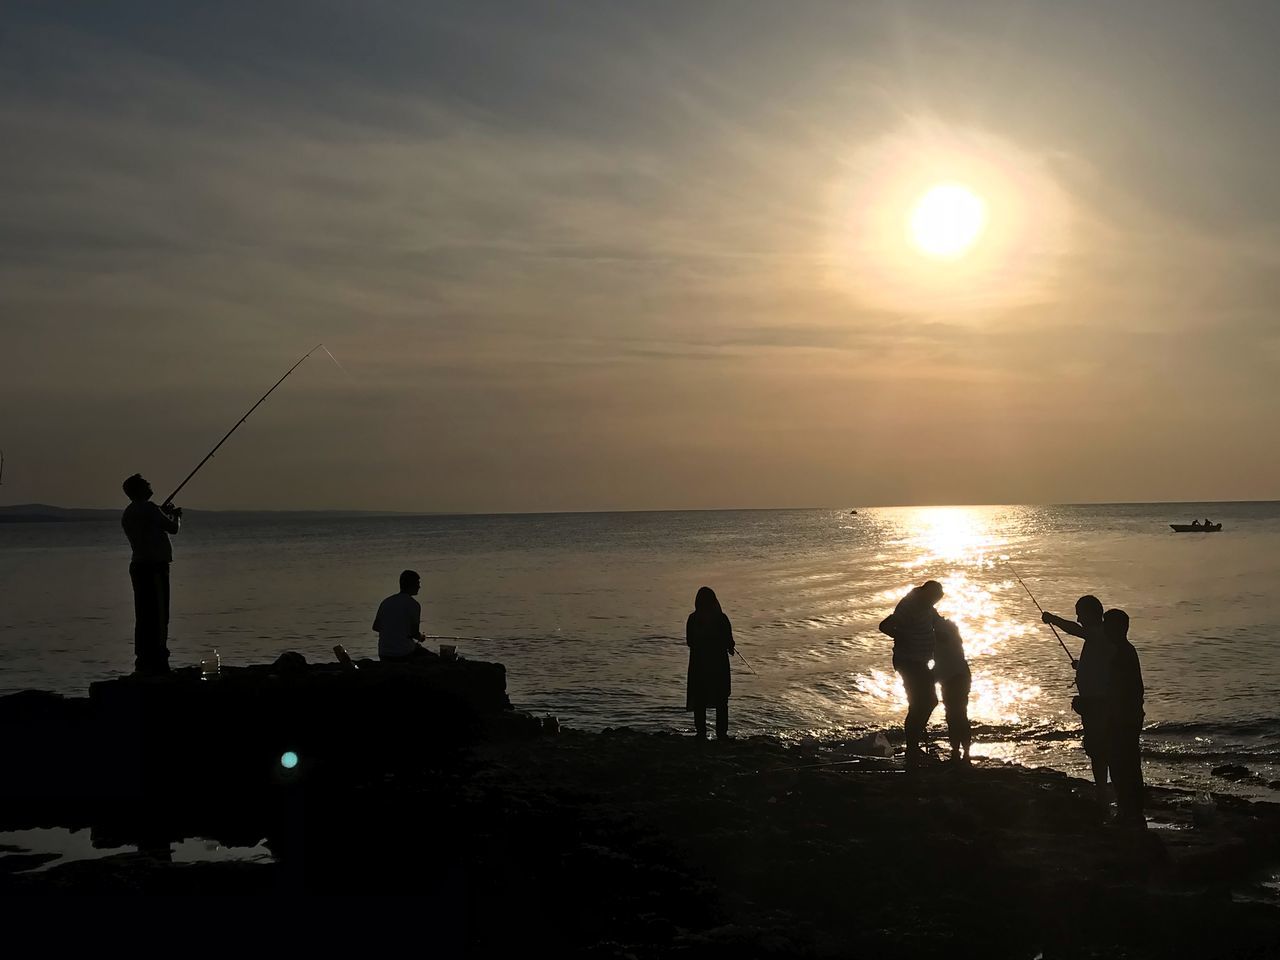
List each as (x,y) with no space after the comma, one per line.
(887,625)
(728,636)
(1067,626)
(416,633)
(168,522)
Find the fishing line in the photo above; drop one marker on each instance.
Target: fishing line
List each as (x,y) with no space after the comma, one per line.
(335,360)
(1041,609)
(208,456)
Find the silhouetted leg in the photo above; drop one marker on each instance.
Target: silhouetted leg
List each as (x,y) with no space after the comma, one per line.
(918,714)
(917,680)
(722,720)
(1097,744)
(1126,773)
(955,697)
(700,721)
(162,632)
(1137,787)
(147,618)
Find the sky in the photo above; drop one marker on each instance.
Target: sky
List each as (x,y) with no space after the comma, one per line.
(615,256)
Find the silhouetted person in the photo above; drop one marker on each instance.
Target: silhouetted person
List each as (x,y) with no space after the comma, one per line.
(912,627)
(1196,523)
(952,671)
(1093,677)
(710,639)
(148,527)
(399,622)
(1125,703)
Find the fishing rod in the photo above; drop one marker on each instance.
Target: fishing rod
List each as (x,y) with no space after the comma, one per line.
(209,456)
(1041,609)
(744,660)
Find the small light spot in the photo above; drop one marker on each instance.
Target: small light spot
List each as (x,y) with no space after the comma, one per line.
(288,760)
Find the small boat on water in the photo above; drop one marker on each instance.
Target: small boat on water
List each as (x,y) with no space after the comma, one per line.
(1196,527)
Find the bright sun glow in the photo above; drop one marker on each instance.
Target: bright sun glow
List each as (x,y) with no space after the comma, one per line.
(932,219)
(947,221)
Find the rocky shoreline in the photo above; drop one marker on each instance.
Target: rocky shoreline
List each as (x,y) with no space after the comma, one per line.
(628,844)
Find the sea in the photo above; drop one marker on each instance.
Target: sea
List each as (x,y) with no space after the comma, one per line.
(587,613)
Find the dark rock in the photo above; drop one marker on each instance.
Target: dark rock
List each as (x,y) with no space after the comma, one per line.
(180,733)
(290,664)
(1232,771)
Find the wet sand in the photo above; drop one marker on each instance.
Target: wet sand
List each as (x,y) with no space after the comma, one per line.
(625,844)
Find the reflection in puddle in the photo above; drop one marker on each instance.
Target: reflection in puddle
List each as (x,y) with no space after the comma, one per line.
(73,845)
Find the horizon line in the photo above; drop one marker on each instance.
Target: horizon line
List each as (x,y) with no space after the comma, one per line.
(571,512)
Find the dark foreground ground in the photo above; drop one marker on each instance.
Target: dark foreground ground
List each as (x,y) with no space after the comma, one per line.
(621,844)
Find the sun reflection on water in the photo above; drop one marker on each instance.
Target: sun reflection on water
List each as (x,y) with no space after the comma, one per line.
(992,699)
(961,548)
(949,535)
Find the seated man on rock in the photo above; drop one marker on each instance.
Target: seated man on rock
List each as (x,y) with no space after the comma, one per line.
(398,623)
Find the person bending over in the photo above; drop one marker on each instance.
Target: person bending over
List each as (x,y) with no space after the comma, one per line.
(911,625)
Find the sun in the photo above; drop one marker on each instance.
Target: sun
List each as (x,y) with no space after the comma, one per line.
(947,221)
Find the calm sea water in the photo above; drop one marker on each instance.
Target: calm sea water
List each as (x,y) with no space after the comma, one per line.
(587,611)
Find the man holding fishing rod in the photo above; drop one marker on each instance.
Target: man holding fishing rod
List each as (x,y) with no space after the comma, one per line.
(148,528)
(1093,672)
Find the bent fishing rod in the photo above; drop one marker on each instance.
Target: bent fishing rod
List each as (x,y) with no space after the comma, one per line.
(168,501)
(1041,609)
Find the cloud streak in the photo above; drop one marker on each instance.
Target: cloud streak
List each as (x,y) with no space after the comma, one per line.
(591,250)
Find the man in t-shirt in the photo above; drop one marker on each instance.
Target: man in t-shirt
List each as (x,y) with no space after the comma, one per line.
(911,625)
(148,527)
(1093,679)
(398,622)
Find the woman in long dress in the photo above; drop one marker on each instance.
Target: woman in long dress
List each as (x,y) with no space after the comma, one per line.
(710,639)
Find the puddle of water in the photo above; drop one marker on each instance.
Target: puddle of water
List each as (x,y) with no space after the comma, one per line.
(72,845)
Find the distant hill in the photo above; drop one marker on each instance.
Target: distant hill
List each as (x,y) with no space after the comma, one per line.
(47,513)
